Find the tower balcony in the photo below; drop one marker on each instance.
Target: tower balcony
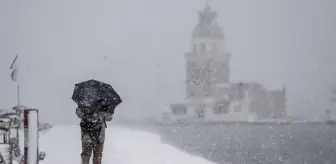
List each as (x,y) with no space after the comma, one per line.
(193,56)
(196,57)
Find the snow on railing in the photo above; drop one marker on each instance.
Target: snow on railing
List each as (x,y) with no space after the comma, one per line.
(6,146)
(9,144)
(5,153)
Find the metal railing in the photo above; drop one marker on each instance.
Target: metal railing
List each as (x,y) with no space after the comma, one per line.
(10,151)
(9,144)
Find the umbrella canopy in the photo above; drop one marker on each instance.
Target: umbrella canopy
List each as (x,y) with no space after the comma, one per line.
(93,93)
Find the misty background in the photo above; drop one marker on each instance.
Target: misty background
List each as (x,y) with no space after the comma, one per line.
(138,46)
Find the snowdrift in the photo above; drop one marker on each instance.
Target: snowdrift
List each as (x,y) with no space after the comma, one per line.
(122,146)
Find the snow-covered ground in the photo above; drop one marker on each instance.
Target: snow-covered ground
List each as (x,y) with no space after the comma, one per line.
(122,146)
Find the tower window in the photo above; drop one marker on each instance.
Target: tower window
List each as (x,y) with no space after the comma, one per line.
(203,47)
(221,107)
(178,109)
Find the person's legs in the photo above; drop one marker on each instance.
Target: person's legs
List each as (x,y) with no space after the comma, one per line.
(98,152)
(86,151)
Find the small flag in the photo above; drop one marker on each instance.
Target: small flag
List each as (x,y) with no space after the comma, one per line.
(14,75)
(14,63)
(14,68)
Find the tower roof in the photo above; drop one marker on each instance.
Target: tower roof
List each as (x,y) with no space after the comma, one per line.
(207,26)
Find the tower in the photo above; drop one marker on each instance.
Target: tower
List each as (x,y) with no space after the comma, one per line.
(207,63)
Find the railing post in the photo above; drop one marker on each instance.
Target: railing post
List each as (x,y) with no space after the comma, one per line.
(31,122)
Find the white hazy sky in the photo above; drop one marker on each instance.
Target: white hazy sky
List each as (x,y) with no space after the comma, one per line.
(61,42)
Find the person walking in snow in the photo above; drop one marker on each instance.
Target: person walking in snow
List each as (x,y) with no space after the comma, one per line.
(93,124)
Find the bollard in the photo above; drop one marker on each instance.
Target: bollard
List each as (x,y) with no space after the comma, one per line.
(31,122)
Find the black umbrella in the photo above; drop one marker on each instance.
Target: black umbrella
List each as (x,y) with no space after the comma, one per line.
(93,93)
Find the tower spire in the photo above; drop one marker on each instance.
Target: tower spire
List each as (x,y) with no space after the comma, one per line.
(207,4)
(207,25)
